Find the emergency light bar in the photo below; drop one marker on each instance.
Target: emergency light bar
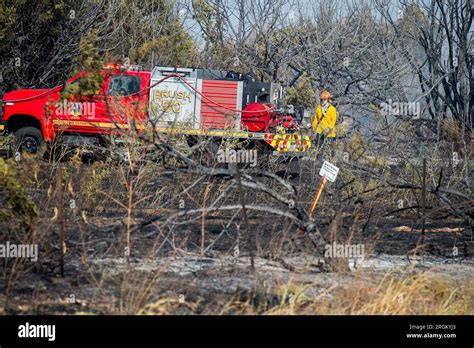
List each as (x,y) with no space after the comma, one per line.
(114,66)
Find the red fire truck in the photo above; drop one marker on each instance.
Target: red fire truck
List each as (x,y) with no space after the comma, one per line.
(189,101)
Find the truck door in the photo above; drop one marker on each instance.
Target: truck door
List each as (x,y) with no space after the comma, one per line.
(127,100)
(119,103)
(78,114)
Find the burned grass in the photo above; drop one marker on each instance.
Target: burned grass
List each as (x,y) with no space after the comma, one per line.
(170,237)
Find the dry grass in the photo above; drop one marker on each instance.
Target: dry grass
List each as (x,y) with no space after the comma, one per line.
(392,294)
(418,294)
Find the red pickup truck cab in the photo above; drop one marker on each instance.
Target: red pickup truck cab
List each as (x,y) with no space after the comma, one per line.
(36,116)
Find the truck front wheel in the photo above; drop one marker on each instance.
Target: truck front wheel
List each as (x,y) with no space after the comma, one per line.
(29,139)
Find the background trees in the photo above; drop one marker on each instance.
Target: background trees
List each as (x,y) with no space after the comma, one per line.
(364,52)
(433,36)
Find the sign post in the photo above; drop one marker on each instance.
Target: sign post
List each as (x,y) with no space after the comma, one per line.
(328,172)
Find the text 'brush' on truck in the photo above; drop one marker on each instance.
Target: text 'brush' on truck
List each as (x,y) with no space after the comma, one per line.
(188,101)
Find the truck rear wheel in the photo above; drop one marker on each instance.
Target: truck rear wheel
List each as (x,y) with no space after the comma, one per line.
(29,140)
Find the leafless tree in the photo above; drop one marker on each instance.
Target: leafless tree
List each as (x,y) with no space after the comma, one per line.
(433,37)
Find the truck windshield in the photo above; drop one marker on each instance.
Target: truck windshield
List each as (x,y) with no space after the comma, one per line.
(123,85)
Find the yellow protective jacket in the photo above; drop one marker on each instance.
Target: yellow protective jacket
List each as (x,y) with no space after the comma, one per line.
(325,124)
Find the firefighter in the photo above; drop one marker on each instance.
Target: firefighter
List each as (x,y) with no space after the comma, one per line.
(324,119)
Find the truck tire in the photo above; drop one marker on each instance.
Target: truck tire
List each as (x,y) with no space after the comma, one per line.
(30,140)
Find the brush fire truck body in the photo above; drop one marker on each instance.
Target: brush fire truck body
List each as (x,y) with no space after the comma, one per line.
(171,100)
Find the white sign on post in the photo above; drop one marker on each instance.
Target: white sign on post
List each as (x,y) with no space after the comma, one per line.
(329,171)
